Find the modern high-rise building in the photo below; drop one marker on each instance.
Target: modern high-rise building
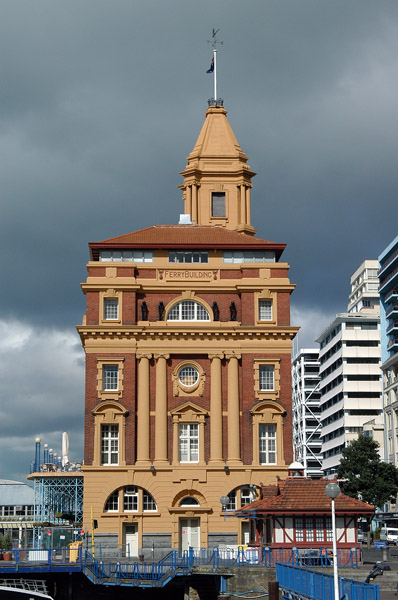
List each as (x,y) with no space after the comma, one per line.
(364,295)
(349,369)
(188,341)
(388,275)
(307,441)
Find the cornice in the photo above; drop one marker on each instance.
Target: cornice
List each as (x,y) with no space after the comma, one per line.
(186,332)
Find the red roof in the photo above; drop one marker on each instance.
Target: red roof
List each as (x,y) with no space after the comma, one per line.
(299,495)
(187,236)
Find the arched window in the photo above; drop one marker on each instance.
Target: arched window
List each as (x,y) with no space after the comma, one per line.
(112,504)
(130,499)
(189,501)
(188,310)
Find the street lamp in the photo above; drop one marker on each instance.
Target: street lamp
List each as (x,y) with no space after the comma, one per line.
(224,502)
(332,490)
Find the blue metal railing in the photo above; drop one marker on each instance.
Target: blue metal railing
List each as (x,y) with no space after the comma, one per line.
(318,586)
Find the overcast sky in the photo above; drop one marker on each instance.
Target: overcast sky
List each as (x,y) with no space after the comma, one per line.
(101,102)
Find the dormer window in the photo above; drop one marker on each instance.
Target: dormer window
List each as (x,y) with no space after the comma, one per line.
(218,204)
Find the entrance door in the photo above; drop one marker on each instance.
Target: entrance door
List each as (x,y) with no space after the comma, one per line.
(131,539)
(189,533)
(245,534)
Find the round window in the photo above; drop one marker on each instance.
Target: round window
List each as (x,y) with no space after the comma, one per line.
(188,376)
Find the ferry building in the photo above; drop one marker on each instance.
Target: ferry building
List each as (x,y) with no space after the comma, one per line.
(188,341)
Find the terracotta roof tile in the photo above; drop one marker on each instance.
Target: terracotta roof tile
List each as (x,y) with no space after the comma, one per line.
(167,236)
(301,495)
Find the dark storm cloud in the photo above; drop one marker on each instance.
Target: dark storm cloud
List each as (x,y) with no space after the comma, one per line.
(102,101)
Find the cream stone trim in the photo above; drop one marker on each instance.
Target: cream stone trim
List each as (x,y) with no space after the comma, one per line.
(189,413)
(143,408)
(269,394)
(268,412)
(180,389)
(109,394)
(111,294)
(233,417)
(161,408)
(266,294)
(216,433)
(109,412)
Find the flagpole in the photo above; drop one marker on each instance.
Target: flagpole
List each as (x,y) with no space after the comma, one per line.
(215,74)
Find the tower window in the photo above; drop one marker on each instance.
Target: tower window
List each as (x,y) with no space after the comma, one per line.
(189,442)
(188,376)
(267,439)
(109,444)
(188,310)
(111,307)
(265,310)
(266,373)
(110,377)
(218,204)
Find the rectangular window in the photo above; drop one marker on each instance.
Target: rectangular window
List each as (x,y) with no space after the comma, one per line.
(218,204)
(309,529)
(130,499)
(110,377)
(267,444)
(111,309)
(109,444)
(139,256)
(320,532)
(266,375)
(299,530)
(247,256)
(265,310)
(329,532)
(189,442)
(185,256)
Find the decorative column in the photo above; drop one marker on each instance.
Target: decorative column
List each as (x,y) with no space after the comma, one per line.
(161,408)
(143,409)
(215,408)
(248,212)
(195,204)
(188,201)
(233,409)
(243,204)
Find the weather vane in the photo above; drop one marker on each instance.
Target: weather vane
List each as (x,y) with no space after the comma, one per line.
(213,66)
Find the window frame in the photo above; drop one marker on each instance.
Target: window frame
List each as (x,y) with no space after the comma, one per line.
(215,203)
(191,441)
(111,309)
(198,308)
(267,443)
(109,439)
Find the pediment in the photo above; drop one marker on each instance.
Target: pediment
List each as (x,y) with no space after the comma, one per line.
(267,405)
(110,406)
(189,408)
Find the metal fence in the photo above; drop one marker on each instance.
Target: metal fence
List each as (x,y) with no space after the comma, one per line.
(316,585)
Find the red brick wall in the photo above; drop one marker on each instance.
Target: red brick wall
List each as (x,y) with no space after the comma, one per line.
(283,301)
(129,316)
(230,274)
(92,308)
(96,271)
(126,272)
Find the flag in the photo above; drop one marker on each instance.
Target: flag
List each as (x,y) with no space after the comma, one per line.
(211,66)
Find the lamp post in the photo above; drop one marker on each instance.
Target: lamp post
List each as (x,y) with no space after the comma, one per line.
(332,490)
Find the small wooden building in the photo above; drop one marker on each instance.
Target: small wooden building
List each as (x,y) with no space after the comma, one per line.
(296,512)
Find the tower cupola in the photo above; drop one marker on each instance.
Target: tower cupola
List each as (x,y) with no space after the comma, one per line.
(217,178)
